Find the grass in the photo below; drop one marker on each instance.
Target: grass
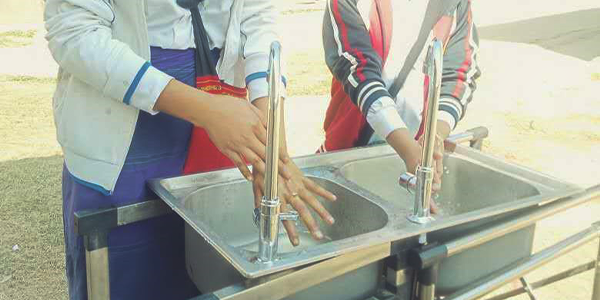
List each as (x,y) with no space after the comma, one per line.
(16,38)
(26,121)
(30,199)
(31,217)
(308,75)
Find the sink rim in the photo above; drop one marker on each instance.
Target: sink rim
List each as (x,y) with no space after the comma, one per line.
(172,190)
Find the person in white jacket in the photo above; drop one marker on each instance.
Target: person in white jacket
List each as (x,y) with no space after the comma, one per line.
(124,109)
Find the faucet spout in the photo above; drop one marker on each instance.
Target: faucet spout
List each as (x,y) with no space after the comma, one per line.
(423,186)
(269,213)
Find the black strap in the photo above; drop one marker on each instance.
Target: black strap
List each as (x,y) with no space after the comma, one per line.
(204,61)
(435,10)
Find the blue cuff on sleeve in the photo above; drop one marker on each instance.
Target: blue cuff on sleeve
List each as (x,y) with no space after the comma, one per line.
(135,83)
(259,75)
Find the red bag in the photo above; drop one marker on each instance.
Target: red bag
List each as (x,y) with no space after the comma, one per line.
(203,155)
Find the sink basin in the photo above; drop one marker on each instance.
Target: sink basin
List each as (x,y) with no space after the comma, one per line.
(465,184)
(466,188)
(227,210)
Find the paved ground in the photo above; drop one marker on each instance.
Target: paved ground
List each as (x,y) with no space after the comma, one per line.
(538,96)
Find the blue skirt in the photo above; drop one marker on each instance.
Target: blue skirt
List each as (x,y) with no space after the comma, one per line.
(146,259)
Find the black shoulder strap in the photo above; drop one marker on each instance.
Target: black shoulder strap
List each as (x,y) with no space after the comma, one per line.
(204,60)
(435,10)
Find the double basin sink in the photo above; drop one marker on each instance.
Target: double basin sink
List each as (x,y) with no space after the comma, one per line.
(478,190)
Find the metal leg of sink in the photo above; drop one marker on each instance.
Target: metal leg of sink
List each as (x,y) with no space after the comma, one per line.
(528,288)
(500,278)
(427,280)
(94,226)
(550,280)
(96,261)
(398,276)
(596,292)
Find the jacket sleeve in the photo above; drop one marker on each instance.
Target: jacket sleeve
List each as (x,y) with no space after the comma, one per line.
(80,40)
(460,68)
(350,55)
(258,27)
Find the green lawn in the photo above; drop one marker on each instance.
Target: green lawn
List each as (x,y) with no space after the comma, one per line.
(31,217)
(16,38)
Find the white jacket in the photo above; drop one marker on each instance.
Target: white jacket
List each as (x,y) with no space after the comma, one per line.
(105,78)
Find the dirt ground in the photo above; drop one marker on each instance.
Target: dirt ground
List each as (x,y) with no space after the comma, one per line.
(538,96)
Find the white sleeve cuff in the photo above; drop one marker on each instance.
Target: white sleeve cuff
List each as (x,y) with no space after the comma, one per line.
(383,117)
(149,89)
(256,66)
(447,117)
(259,87)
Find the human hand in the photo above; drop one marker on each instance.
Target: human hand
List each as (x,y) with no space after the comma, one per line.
(238,130)
(410,151)
(236,127)
(300,193)
(442,133)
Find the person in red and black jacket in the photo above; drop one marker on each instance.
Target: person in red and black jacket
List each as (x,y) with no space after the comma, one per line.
(375,50)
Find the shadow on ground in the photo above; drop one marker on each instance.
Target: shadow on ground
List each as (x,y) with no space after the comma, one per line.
(31,220)
(576,34)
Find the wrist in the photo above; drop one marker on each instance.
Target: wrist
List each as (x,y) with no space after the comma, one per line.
(443,129)
(203,109)
(407,148)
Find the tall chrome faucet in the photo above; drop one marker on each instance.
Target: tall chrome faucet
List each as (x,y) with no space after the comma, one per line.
(421,184)
(269,213)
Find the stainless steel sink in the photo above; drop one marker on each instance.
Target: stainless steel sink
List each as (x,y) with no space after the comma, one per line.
(371,210)
(225,209)
(224,212)
(467,186)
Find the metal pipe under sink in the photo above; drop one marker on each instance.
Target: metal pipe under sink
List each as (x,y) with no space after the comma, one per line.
(270,211)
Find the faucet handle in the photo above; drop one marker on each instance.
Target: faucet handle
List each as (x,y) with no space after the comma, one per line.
(291,215)
(408,181)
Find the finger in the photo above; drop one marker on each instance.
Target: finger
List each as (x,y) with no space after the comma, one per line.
(284,155)
(318,190)
(257,163)
(306,217)
(290,228)
(259,150)
(261,134)
(433,207)
(437,181)
(439,168)
(284,171)
(438,154)
(292,232)
(258,194)
(239,163)
(316,206)
(258,147)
